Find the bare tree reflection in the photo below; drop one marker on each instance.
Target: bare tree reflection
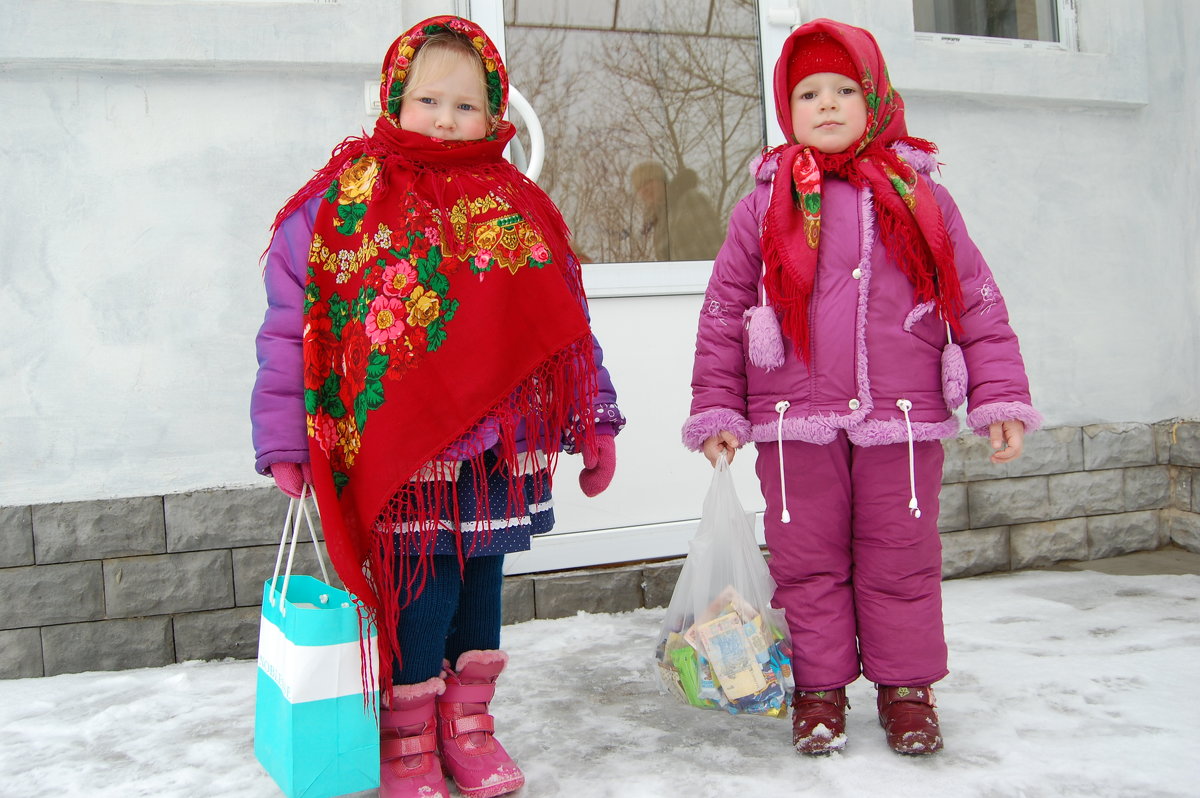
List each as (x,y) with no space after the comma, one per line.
(678,85)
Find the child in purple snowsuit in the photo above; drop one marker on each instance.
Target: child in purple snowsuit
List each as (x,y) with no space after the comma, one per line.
(848,312)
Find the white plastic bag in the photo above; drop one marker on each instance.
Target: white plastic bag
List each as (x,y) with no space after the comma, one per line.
(722,645)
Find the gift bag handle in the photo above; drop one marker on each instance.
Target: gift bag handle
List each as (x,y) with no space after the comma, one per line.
(297,508)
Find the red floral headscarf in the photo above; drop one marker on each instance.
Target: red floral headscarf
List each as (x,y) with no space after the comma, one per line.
(442,297)
(908,215)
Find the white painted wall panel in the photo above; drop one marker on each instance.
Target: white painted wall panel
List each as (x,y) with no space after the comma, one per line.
(146,147)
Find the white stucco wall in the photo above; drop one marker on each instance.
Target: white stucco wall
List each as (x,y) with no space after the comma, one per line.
(146,147)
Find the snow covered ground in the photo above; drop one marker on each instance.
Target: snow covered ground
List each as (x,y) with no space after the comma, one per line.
(1062,684)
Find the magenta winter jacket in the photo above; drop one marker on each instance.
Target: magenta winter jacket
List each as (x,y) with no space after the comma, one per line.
(277,415)
(870,346)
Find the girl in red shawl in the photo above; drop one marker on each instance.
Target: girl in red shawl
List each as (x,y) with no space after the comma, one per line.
(425,356)
(868,315)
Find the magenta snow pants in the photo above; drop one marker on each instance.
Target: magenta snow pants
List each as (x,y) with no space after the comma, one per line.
(859,576)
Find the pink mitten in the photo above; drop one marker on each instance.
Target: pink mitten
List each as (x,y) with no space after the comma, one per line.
(291,477)
(598,466)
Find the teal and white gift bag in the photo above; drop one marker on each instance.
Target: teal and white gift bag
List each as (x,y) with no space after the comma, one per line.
(313,732)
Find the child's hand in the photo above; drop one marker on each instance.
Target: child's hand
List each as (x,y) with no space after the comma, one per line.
(721,443)
(291,477)
(1008,439)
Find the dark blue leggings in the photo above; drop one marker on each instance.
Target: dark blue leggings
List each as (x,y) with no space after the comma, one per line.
(456,612)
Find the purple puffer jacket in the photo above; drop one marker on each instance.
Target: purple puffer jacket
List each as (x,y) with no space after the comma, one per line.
(277,404)
(871,348)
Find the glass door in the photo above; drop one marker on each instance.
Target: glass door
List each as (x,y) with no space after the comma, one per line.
(651,112)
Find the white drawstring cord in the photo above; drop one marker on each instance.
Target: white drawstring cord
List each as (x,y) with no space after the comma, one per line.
(905,406)
(781,407)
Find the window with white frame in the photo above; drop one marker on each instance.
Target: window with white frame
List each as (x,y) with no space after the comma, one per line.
(1030,20)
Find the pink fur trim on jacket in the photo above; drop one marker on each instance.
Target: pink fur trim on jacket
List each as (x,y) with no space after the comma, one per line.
(875,432)
(984,416)
(923,162)
(860,431)
(702,426)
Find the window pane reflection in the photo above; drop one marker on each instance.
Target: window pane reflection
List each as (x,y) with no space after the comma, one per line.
(1003,19)
(652,110)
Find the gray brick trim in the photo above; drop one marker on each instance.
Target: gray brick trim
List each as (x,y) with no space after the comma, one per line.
(1003,502)
(518,604)
(1184,440)
(38,595)
(108,645)
(1124,533)
(1085,493)
(1035,545)
(952,507)
(975,551)
(1118,446)
(168,583)
(606,590)
(20,653)
(16,536)
(215,519)
(93,530)
(217,634)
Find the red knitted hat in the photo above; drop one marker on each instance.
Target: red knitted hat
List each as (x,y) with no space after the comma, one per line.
(820,52)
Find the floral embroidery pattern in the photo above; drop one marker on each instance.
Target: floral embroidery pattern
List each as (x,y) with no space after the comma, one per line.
(875,123)
(363,335)
(806,178)
(498,237)
(394,83)
(906,188)
(354,340)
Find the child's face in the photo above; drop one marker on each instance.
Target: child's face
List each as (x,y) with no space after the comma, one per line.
(829,112)
(449,106)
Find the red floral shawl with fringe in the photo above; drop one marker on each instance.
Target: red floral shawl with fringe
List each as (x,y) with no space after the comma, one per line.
(908,216)
(441,295)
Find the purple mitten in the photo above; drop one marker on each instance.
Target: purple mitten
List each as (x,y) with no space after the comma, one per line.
(598,466)
(291,477)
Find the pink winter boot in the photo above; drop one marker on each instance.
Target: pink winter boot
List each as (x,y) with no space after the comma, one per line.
(409,766)
(479,765)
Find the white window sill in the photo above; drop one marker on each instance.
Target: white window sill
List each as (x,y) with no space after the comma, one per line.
(967,68)
(675,278)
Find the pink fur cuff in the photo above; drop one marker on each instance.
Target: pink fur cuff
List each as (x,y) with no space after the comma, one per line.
(702,426)
(984,416)
(481,658)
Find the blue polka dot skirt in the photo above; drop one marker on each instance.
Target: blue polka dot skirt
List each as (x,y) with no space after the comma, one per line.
(489,525)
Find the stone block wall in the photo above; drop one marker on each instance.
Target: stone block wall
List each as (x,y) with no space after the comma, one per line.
(1078,493)
(153,580)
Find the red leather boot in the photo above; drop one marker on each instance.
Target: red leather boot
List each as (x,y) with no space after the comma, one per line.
(409,766)
(478,764)
(908,717)
(819,721)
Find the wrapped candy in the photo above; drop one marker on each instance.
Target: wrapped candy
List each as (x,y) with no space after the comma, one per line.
(733,658)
